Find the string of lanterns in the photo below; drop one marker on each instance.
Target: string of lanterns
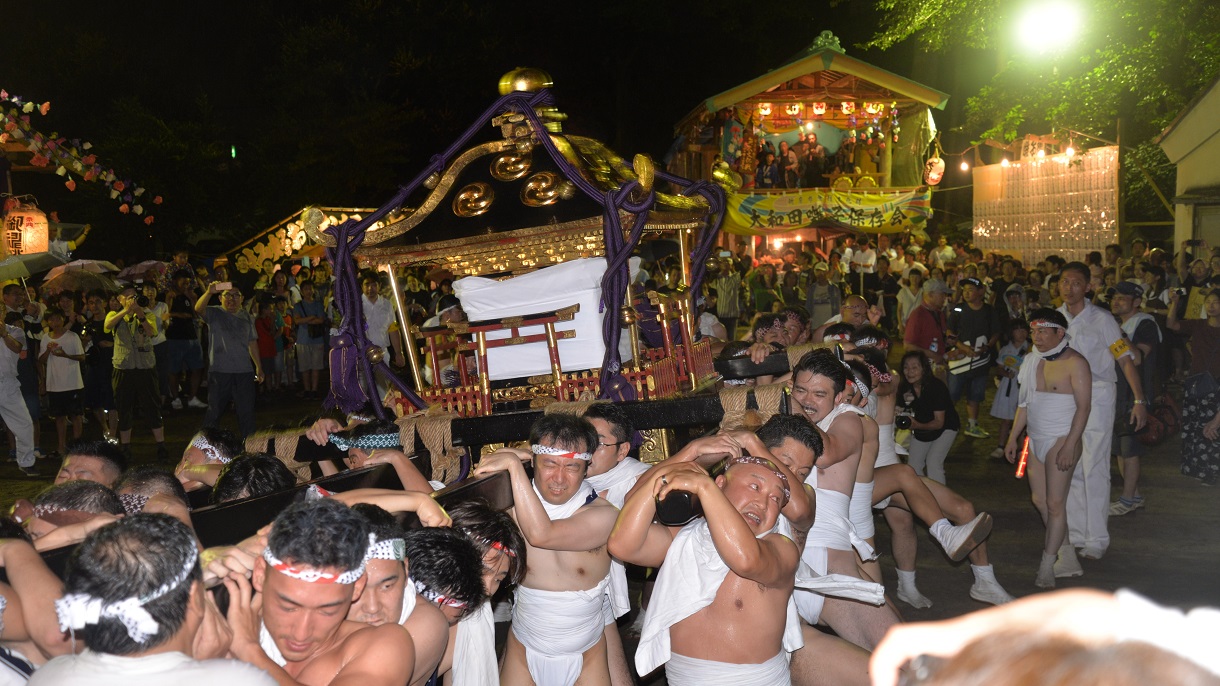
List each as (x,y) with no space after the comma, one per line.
(1035,147)
(71,157)
(866,129)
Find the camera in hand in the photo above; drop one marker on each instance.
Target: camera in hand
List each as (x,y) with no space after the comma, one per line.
(1180,291)
(902,421)
(142,301)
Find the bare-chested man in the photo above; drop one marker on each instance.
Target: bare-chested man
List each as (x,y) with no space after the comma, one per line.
(563,603)
(311,571)
(819,393)
(390,596)
(719,613)
(1055,395)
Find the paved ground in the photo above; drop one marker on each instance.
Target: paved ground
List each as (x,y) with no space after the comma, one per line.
(1168,551)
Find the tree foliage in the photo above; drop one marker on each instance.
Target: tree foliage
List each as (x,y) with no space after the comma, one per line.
(1138,60)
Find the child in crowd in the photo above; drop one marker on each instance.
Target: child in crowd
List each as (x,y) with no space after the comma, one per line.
(286,359)
(1004,406)
(62,354)
(269,344)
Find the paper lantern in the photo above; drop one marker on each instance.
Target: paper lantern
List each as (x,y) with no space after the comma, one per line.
(933,171)
(764,109)
(819,109)
(848,107)
(25,230)
(792,109)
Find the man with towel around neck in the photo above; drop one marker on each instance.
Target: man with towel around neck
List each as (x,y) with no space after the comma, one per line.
(720,612)
(563,604)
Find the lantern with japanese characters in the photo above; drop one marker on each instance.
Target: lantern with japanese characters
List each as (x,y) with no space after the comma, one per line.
(25,230)
(933,171)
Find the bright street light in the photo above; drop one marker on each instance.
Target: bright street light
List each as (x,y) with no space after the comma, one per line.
(1049,27)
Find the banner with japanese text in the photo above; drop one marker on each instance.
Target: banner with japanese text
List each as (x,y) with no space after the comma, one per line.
(760,214)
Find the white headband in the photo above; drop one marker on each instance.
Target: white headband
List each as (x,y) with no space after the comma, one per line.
(388,549)
(78,610)
(209,449)
(314,576)
(557,452)
(438,598)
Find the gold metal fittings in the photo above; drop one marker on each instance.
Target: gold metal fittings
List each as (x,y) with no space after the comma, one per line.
(473,199)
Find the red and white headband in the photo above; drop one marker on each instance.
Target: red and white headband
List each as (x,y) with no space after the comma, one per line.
(316,576)
(559,452)
(438,598)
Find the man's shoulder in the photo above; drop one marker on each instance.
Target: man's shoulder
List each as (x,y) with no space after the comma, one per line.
(100,670)
(366,639)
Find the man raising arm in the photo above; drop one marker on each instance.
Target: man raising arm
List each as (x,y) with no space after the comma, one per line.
(563,603)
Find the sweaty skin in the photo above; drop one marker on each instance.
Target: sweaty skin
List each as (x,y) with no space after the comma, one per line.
(744,623)
(308,623)
(564,555)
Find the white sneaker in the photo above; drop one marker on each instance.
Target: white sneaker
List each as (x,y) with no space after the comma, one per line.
(997,454)
(990,591)
(958,541)
(911,596)
(197,404)
(176,404)
(1067,565)
(1046,572)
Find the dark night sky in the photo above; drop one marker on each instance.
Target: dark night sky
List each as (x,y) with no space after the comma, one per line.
(339,102)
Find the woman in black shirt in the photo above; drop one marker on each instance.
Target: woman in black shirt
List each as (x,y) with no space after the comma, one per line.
(934,421)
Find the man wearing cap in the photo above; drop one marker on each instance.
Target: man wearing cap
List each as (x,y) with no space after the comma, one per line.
(974,329)
(823,298)
(1141,330)
(294,624)
(564,603)
(1095,335)
(927,329)
(448,310)
(1011,307)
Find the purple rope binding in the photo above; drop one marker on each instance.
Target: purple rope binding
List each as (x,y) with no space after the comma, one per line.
(348,388)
